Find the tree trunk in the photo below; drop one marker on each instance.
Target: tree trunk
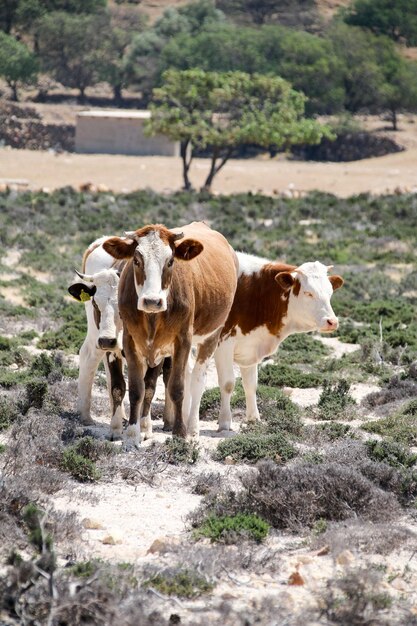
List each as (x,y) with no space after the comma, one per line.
(117,94)
(214,169)
(13,87)
(81,97)
(394,119)
(187,157)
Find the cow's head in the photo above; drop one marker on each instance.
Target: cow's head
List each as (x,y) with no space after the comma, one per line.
(101,289)
(310,289)
(153,250)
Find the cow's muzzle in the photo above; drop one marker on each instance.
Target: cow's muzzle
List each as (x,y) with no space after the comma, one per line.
(152,305)
(331,324)
(107,343)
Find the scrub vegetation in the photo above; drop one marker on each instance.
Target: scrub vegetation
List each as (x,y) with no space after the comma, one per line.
(338,475)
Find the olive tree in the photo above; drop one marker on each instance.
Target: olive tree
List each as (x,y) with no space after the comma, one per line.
(222,111)
(17,64)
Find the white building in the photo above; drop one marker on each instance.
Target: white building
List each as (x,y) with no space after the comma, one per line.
(119,132)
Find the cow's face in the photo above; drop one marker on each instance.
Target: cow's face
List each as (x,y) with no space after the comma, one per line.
(101,289)
(310,290)
(153,250)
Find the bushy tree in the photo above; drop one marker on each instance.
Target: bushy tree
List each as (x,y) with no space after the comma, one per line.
(17,64)
(22,13)
(70,47)
(397,20)
(143,61)
(306,60)
(376,76)
(222,111)
(260,11)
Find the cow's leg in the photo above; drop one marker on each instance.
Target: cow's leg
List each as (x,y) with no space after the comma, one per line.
(151,377)
(169,409)
(136,374)
(90,357)
(182,347)
(250,383)
(198,381)
(226,377)
(117,384)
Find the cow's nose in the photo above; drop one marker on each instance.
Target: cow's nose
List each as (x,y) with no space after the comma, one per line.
(332,323)
(107,343)
(155,303)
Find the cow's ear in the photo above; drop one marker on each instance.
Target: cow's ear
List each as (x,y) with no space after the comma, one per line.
(120,248)
(188,249)
(337,281)
(82,292)
(285,280)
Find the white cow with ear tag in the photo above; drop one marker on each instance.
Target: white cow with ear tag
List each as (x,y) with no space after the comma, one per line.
(97,287)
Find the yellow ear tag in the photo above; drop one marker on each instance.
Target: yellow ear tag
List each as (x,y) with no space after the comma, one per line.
(84,296)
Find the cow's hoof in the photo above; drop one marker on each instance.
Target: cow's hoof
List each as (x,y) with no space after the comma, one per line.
(131,440)
(225,432)
(87,421)
(116,434)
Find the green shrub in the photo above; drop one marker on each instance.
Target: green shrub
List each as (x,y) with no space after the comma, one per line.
(335,430)
(401,426)
(182,583)
(253,447)
(335,401)
(231,529)
(210,401)
(80,468)
(93,449)
(286,375)
(180,451)
(390,452)
(8,412)
(36,391)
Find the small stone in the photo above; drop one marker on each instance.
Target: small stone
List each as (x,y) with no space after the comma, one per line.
(296,579)
(229,460)
(399,584)
(323,551)
(111,539)
(345,558)
(92,524)
(304,559)
(162,545)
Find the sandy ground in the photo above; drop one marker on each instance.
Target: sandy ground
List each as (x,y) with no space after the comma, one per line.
(162,513)
(163,174)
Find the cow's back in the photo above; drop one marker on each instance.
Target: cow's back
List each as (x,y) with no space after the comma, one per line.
(212,276)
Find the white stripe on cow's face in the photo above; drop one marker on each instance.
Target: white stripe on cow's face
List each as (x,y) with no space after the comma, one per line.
(310,309)
(151,256)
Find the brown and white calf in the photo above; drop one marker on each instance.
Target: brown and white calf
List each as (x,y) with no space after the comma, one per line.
(272,301)
(175,291)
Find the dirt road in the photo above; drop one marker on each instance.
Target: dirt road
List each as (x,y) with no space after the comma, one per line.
(163,174)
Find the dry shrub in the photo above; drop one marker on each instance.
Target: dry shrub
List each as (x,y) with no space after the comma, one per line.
(398,388)
(365,537)
(359,599)
(298,496)
(207,483)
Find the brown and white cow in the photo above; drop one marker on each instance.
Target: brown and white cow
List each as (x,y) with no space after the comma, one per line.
(97,287)
(272,301)
(175,291)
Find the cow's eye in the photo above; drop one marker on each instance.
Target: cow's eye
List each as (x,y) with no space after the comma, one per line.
(136,262)
(171,262)
(309,294)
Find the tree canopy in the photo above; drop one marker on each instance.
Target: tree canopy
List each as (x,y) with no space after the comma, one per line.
(222,111)
(17,64)
(397,20)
